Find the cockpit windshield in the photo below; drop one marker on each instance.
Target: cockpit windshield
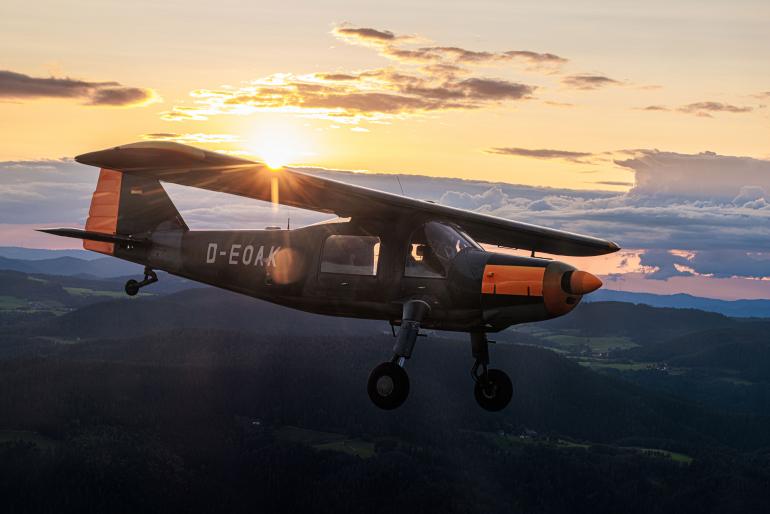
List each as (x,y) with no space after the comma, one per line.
(432,248)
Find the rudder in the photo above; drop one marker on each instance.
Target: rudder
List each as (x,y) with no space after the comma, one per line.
(129,205)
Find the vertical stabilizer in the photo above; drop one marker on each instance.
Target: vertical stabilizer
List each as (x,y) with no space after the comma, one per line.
(103,213)
(130,206)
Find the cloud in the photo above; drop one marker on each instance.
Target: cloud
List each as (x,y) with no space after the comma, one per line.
(702,109)
(191,138)
(44,190)
(664,264)
(706,175)
(19,86)
(706,108)
(613,183)
(364,35)
(371,94)
(447,78)
(393,47)
(122,96)
(461,56)
(181,113)
(542,153)
(587,82)
(336,76)
(710,210)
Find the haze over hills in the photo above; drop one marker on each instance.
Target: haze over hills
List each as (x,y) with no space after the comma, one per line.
(103,267)
(735,308)
(33,254)
(81,262)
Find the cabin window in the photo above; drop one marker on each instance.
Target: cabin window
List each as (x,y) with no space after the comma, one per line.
(432,248)
(351,255)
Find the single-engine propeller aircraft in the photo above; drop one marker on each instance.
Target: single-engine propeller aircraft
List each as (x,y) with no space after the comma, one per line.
(413,263)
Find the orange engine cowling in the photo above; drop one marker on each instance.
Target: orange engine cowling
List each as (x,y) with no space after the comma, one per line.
(520,289)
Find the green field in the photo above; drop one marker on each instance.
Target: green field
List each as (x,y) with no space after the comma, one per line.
(621,366)
(10,436)
(655,452)
(12,303)
(597,344)
(507,441)
(569,339)
(355,447)
(328,441)
(82,291)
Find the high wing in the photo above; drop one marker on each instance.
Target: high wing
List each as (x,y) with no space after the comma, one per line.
(189,166)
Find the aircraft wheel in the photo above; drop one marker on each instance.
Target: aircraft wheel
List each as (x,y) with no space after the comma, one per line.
(496,392)
(132,287)
(388,385)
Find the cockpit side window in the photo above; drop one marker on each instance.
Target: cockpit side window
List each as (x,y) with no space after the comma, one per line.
(432,248)
(351,255)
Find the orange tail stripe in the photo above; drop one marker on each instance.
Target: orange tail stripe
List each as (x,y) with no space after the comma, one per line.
(103,213)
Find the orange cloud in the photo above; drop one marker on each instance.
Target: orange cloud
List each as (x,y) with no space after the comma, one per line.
(371,94)
(445,80)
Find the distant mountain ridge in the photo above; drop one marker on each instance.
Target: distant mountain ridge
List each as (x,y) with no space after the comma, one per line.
(101,267)
(35,254)
(733,308)
(81,262)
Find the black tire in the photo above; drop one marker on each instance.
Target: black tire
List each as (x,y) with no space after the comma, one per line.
(132,287)
(496,393)
(388,386)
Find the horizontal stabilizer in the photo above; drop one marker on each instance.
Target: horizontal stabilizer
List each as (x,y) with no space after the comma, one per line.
(93,236)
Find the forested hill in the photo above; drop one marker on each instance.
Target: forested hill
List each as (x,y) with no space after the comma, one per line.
(641,323)
(209,401)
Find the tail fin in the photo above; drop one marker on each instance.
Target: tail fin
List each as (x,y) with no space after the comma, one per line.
(128,205)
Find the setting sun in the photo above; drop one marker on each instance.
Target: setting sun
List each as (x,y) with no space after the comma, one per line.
(279,144)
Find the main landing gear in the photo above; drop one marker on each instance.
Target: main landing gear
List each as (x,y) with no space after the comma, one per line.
(133,286)
(388,384)
(493,390)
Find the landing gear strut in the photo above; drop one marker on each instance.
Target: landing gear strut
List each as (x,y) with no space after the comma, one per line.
(133,286)
(493,389)
(388,384)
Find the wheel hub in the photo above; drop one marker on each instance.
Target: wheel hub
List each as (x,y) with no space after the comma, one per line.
(385,386)
(490,391)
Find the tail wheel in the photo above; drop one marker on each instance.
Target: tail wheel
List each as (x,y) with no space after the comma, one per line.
(388,385)
(132,287)
(494,393)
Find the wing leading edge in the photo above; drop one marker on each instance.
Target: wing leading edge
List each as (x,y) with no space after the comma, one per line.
(189,166)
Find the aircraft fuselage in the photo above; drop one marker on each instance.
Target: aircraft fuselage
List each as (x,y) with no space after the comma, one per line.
(479,290)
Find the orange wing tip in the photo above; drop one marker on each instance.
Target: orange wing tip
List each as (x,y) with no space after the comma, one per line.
(583,282)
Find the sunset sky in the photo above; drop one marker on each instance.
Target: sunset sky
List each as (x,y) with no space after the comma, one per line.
(650,119)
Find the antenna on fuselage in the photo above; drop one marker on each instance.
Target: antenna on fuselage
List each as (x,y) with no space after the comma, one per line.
(399,185)
(288,222)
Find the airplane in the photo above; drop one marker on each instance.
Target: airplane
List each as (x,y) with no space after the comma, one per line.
(416,264)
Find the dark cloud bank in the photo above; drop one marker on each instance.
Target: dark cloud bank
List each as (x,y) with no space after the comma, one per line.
(716,208)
